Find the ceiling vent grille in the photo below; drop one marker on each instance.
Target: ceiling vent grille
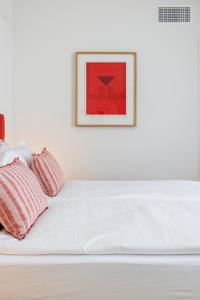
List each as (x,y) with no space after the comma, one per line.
(174,14)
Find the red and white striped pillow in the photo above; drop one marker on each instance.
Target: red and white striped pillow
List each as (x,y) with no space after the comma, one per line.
(48,172)
(22,200)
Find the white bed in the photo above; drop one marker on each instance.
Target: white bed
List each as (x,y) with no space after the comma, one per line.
(143,241)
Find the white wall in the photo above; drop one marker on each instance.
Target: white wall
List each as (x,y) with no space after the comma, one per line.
(6,64)
(165,143)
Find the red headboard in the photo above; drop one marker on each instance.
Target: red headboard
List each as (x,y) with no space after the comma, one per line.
(2,127)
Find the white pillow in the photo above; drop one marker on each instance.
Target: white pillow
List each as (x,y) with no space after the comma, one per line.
(8,156)
(23,150)
(3,146)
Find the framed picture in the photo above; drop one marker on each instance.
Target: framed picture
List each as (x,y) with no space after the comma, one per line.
(105,89)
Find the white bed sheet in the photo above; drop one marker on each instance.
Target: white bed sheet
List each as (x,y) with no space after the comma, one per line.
(96,217)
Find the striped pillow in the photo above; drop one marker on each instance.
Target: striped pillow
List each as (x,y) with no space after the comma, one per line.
(22,200)
(48,172)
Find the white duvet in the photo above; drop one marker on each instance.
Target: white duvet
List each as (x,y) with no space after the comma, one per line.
(116,217)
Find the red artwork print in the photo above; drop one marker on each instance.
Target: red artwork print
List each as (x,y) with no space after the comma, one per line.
(106,88)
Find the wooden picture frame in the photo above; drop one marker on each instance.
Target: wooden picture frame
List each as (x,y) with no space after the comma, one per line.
(105,89)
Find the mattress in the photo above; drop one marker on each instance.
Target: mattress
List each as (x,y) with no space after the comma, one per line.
(100,277)
(125,217)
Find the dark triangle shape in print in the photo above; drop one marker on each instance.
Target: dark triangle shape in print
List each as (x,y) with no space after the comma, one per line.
(106,79)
